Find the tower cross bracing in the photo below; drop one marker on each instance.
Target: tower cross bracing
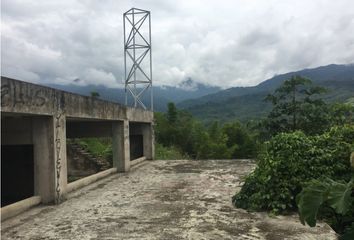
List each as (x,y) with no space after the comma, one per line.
(137,57)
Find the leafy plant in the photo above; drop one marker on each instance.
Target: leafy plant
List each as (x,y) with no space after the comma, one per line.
(335,200)
(289,161)
(328,193)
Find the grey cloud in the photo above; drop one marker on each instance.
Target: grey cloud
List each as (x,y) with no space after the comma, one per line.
(224,43)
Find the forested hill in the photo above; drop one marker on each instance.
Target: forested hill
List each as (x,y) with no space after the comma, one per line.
(245,103)
(188,89)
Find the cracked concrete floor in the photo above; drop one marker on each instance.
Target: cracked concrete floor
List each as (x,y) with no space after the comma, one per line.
(178,199)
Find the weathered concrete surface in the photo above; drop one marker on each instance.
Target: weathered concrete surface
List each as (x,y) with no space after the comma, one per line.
(28,98)
(160,200)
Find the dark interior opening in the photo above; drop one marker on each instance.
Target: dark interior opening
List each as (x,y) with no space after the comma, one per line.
(136,146)
(17,173)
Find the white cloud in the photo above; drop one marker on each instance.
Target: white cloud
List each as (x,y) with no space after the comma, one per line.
(224,43)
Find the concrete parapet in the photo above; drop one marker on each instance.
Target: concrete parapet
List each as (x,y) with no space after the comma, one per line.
(18,207)
(90,179)
(137,161)
(27,98)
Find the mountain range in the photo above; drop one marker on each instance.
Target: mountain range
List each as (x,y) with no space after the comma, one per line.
(242,103)
(245,103)
(188,89)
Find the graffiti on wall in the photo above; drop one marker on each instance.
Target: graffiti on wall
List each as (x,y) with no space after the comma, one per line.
(58,157)
(19,94)
(59,124)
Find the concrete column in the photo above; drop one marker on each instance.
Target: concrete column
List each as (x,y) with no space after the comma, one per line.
(120,146)
(60,163)
(43,150)
(152,125)
(148,141)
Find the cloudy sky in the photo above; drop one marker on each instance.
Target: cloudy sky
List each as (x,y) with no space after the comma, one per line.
(217,42)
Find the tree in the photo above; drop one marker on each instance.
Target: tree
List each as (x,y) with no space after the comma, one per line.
(171,112)
(216,144)
(341,114)
(95,94)
(240,139)
(297,106)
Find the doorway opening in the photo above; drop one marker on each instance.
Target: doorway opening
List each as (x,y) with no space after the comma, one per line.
(17,173)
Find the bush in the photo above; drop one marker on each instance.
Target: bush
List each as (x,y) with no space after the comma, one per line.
(168,153)
(289,161)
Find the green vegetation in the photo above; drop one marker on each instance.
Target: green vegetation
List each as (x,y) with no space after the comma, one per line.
(168,153)
(98,147)
(296,106)
(350,101)
(246,103)
(304,163)
(289,161)
(331,199)
(94,94)
(177,129)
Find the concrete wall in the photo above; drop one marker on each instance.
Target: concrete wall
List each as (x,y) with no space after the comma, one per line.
(45,117)
(44,150)
(86,129)
(28,98)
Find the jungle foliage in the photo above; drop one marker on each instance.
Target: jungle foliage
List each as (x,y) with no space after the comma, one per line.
(306,155)
(178,129)
(330,199)
(289,161)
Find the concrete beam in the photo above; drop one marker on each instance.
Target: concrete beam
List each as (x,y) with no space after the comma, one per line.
(81,129)
(139,115)
(27,98)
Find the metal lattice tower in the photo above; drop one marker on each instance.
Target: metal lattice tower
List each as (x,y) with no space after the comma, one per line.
(137,56)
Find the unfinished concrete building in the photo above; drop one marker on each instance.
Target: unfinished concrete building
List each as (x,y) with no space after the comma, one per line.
(35,124)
